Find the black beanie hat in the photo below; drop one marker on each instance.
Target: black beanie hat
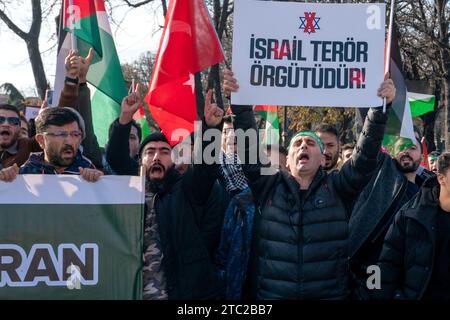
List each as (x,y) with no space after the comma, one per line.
(155,136)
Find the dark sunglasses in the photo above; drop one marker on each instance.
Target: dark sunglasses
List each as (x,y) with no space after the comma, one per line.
(11,120)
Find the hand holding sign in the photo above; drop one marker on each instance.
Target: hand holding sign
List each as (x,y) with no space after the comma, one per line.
(9,174)
(387,90)
(229,82)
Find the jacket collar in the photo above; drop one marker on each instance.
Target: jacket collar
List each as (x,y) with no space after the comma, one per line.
(36,160)
(294,187)
(424,206)
(13,149)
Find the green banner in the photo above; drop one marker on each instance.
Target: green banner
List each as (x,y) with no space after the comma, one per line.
(63,238)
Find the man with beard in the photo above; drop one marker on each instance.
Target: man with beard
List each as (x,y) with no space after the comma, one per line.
(330,138)
(179,235)
(301,235)
(59,133)
(394,185)
(13,148)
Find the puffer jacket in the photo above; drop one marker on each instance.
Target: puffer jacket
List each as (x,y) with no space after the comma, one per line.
(406,261)
(302,244)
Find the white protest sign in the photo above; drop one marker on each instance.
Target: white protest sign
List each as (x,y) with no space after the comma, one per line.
(308,54)
(31,112)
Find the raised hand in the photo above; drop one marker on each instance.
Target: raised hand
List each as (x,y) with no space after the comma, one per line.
(84,65)
(229,82)
(213,114)
(130,104)
(90,175)
(387,90)
(72,63)
(9,174)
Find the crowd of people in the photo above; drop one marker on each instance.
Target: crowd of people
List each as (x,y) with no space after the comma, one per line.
(311,229)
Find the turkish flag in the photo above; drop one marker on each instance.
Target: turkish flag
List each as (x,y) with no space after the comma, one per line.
(188,44)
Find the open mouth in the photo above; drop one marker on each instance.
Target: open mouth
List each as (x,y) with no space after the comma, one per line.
(67,152)
(5,133)
(303,157)
(406,159)
(157,169)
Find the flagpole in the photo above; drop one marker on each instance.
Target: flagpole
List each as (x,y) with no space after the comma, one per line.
(285,125)
(388,48)
(73,38)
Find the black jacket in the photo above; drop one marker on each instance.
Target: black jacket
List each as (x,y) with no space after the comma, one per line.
(407,258)
(369,223)
(302,244)
(189,231)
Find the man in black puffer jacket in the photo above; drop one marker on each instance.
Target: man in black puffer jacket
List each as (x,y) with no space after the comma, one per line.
(181,232)
(301,248)
(415,260)
(395,183)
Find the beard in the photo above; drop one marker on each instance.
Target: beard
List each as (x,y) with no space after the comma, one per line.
(56,159)
(408,168)
(14,136)
(330,162)
(156,185)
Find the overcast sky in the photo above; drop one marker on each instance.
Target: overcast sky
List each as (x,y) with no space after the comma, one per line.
(139,32)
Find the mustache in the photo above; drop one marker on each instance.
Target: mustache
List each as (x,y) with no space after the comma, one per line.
(157,166)
(68,147)
(406,157)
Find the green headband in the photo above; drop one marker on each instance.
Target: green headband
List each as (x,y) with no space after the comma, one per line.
(308,134)
(432,158)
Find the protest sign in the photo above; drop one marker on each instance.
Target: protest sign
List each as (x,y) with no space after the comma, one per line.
(308,54)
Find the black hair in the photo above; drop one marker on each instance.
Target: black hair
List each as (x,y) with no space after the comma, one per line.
(55,117)
(327,128)
(443,163)
(10,107)
(133,123)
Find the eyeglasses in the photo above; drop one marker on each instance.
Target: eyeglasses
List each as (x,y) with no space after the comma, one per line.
(11,120)
(64,134)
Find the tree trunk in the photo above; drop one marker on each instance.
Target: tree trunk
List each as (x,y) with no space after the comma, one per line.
(199,98)
(429,121)
(446,105)
(37,66)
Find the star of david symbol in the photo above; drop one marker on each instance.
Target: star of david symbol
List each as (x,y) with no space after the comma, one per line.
(309,23)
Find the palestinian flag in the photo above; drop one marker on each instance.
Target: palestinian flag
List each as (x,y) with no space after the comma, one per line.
(272,130)
(139,117)
(399,134)
(420,103)
(91,28)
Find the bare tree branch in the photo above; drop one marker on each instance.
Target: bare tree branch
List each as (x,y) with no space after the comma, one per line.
(136,5)
(12,26)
